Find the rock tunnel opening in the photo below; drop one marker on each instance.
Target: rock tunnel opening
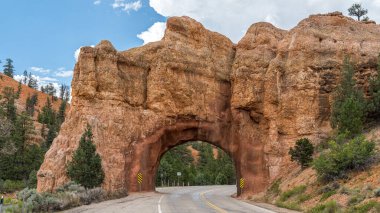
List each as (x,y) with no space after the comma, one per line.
(195,163)
(149,151)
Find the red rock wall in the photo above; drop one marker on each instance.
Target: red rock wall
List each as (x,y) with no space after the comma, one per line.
(252,99)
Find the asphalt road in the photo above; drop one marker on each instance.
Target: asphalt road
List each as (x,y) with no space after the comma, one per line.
(199,199)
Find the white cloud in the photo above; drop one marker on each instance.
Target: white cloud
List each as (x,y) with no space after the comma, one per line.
(40,70)
(127,6)
(77,52)
(18,77)
(97,2)
(377,3)
(233,18)
(46,79)
(118,3)
(154,33)
(42,81)
(64,73)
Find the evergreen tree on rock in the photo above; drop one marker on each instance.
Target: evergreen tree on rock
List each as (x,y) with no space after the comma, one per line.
(85,167)
(358,11)
(373,105)
(349,107)
(302,152)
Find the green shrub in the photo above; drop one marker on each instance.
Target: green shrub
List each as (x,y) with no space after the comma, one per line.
(303,197)
(12,185)
(290,205)
(324,144)
(330,187)
(290,193)
(71,187)
(1,184)
(328,207)
(356,154)
(366,207)
(274,189)
(327,195)
(200,179)
(91,195)
(68,200)
(376,192)
(221,179)
(302,152)
(32,180)
(345,191)
(355,199)
(68,196)
(10,201)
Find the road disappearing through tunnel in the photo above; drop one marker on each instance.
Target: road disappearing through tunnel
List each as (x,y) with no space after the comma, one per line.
(188,199)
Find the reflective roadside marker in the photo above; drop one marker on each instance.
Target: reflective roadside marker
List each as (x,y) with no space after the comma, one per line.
(139,178)
(241,183)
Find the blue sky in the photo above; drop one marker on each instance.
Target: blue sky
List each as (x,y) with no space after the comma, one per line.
(45,33)
(42,35)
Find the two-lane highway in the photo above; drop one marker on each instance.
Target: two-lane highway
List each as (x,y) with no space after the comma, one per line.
(199,199)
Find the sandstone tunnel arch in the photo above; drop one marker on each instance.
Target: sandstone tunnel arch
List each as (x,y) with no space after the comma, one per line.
(151,150)
(194,151)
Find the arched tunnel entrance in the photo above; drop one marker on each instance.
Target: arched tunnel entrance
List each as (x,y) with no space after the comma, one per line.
(195,163)
(145,159)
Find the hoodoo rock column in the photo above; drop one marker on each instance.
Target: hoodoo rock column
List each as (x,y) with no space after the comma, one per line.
(253,99)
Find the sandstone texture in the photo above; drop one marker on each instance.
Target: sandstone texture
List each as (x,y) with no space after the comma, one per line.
(252,99)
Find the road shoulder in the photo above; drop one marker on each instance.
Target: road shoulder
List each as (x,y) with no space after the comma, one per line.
(270,207)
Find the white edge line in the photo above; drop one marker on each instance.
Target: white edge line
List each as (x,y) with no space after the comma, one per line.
(159,204)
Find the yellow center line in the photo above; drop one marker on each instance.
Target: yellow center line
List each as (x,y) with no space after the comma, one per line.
(213,206)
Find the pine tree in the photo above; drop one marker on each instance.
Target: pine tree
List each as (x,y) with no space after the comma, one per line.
(32,180)
(32,81)
(226,167)
(61,112)
(25,77)
(50,136)
(17,157)
(86,168)
(9,97)
(357,10)
(9,68)
(19,89)
(47,115)
(302,152)
(50,90)
(16,165)
(373,105)
(64,92)
(348,110)
(31,102)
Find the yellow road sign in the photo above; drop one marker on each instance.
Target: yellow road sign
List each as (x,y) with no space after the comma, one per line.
(241,183)
(139,178)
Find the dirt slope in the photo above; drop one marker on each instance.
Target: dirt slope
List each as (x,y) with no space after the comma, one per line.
(358,189)
(26,91)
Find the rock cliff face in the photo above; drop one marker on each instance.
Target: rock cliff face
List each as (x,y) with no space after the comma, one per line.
(252,99)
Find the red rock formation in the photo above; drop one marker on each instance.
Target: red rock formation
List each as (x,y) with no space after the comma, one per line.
(253,99)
